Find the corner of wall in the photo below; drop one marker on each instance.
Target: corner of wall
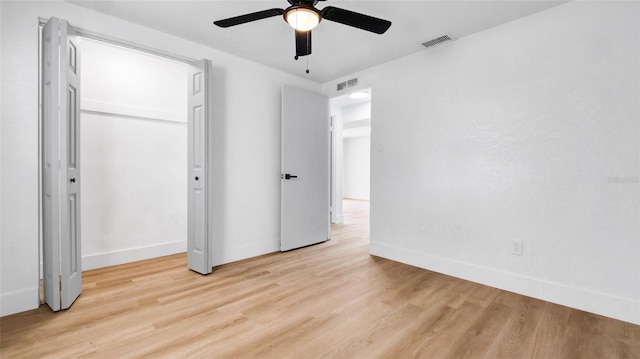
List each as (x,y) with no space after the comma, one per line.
(19,301)
(624,309)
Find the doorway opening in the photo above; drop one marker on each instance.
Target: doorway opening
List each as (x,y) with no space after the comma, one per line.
(134,132)
(134,154)
(351,153)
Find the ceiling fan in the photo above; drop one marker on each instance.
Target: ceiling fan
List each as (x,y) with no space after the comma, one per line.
(303,16)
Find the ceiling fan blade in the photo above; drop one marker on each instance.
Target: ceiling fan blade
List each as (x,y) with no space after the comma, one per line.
(242,19)
(361,21)
(303,43)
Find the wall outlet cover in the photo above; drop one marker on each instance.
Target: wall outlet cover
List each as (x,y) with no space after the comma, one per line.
(516,247)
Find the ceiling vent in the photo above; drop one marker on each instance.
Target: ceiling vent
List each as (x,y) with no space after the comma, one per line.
(438,41)
(344,84)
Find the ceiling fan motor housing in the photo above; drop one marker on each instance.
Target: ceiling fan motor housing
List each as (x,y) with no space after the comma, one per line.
(298,2)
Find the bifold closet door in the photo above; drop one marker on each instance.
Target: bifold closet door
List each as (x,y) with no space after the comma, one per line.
(198,162)
(61,182)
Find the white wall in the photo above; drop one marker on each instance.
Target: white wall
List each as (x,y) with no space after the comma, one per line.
(134,155)
(356,167)
(526,131)
(357,149)
(337,163)
(360,111)
(246,213)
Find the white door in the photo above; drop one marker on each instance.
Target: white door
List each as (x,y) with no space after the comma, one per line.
(198,162)
(61,165)
(305,179)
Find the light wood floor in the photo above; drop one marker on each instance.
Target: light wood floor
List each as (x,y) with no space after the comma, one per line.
(331,300)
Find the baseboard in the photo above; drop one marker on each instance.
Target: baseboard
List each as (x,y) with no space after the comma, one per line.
(19,301)
(624,309)
(222,255)
(129,255)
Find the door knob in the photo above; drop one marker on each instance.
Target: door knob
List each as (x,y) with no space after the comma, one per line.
(73,180)
(289,176)
(197,178)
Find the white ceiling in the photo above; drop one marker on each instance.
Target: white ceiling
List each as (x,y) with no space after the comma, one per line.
(338,50)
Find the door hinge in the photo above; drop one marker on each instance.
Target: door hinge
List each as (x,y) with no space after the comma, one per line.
(60,281)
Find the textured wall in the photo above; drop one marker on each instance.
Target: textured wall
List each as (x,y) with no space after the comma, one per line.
(527,131)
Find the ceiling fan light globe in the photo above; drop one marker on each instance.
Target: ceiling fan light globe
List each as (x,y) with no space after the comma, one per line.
(302,19)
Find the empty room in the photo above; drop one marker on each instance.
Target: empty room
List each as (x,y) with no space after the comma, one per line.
(485,204)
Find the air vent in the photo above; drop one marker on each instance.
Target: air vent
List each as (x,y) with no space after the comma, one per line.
(349,83)
(438,41)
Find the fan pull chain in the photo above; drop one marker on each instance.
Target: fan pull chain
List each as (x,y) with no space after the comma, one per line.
(297,57)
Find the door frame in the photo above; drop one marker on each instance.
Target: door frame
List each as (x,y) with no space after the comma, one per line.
(337,171)
(84,33)
(337,153)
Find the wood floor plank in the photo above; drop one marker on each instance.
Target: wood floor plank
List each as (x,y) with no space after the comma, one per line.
(331,300)
(479,337)
(552,332)
(516,338)
(447,330)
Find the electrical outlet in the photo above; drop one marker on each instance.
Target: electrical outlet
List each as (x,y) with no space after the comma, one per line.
(516,247)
